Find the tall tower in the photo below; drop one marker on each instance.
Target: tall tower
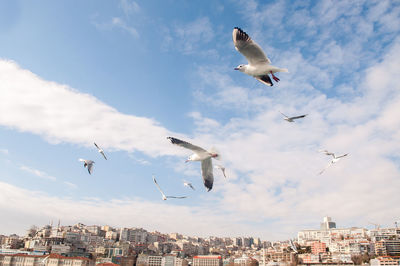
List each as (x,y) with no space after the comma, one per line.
(327,224)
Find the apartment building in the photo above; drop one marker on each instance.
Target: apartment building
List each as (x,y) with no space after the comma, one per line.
(207,260)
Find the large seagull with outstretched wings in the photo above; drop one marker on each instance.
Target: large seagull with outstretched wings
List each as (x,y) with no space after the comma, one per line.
(202,155)
(259,65)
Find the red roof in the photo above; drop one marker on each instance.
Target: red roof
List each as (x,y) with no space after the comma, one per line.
(207,257)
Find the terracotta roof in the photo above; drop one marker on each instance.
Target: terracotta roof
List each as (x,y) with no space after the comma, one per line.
(107,264)
(207,257)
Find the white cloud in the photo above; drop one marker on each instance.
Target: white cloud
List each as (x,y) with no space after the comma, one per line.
(70,185)
(32,207)
(129,7)
(4,151)
(119,23)
(67,115)
(190,37)
(115,23)
(276,162)
(38,173)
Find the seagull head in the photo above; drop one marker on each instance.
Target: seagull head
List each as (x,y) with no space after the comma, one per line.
(189,159)
(241,68)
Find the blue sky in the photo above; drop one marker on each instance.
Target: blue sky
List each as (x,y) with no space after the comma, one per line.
(127,74)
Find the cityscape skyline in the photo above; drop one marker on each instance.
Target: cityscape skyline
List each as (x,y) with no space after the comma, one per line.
(102,244)
(326,224)
(126,75)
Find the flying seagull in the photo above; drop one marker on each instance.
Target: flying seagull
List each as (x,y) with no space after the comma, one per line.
(88,164)
(43,261)
(188,184)
(291,119)
(218,166)
(333,161)
(162,193)
(259,65)
(202,155)
(100,150)
(293,246)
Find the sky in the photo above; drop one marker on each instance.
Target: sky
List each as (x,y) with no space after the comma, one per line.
(126,74)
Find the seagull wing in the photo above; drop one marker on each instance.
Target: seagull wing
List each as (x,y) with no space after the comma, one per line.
(337,157)
(297,117)
(155,182)
(175,197)
(326,167)
(328,153)
(191,186)
(293,246)
(96,145)
(186,145)
(102,153)
(249,48)
(207,173)
(90,167)
(264,79)
(283,114)
(222,169)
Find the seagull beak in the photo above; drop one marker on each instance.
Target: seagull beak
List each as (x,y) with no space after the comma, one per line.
(236,68)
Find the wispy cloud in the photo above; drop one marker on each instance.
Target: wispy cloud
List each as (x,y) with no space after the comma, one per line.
(138,160)
(129,7)
(70,185)
(4,151)
(120,23)
(37,173)
(188,38)
(115,23)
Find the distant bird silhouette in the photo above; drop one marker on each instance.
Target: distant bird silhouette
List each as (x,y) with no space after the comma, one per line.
(188,184)
(164,197)
(100,150)
(291,119)
(333,161)
(88,164)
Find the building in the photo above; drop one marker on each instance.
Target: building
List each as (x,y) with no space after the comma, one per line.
(318,247)
(144,259)
(168,260)
(330,234)
(387,247)
(245,261)
(207,260)
(384,260)
(44,260)
(327,223)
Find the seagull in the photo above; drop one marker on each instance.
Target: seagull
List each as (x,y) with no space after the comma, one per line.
(291,119)
(162,193)
(218,166)
(188,184)
(100,150)
(259,65)
(43,261)
(334,160)
(292,245)
(202,155)
(88,164)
